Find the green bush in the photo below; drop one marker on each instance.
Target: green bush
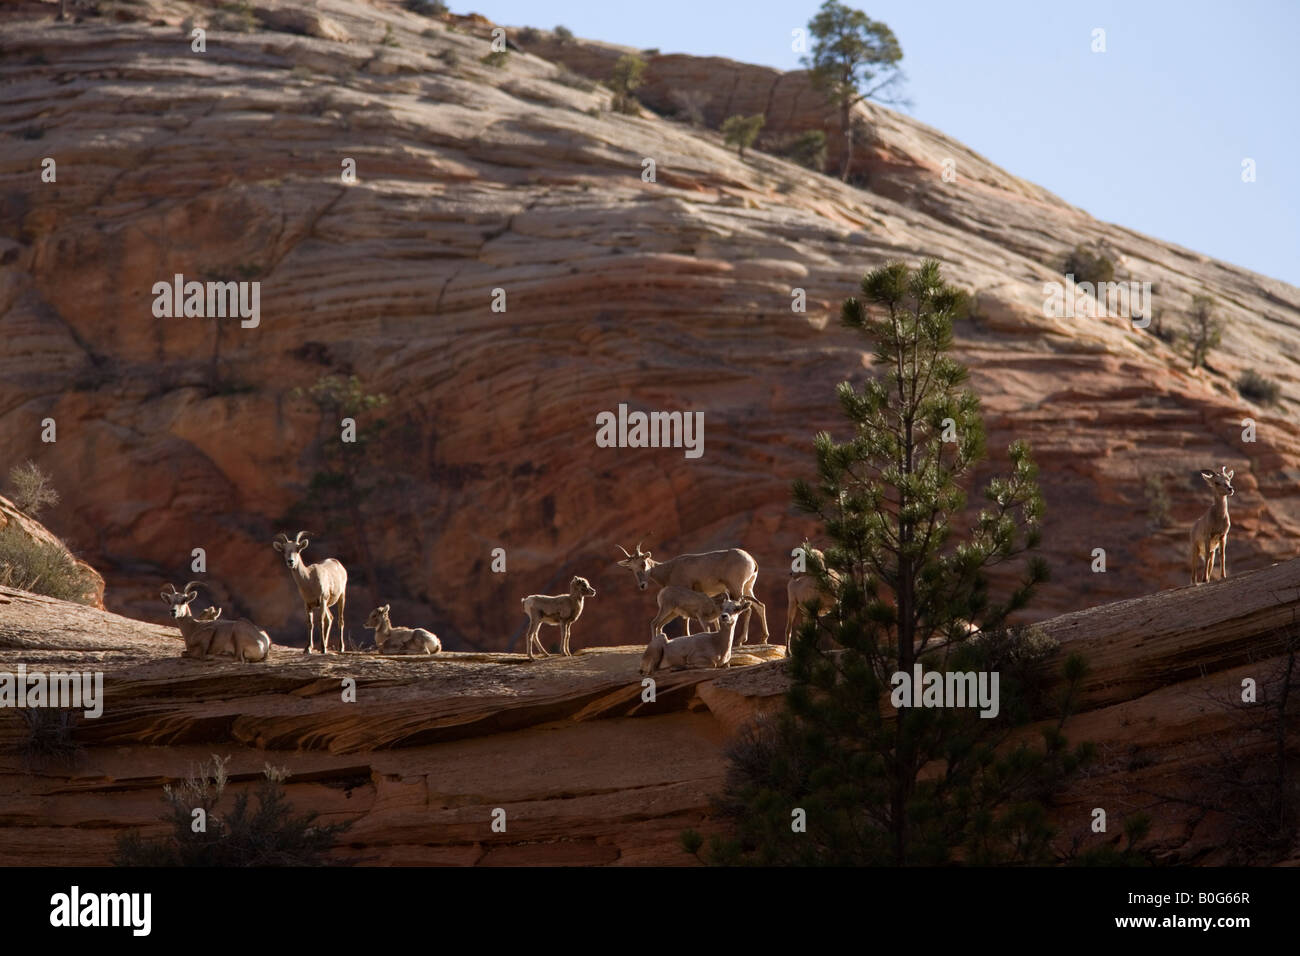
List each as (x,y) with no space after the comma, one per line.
(628,72)
(1205,331)
(497,58)
(566,77)
(741,131)
(427,8)
(1258,389)
(270,835)
(529,35)
(1088,266)
(42,567)
(808,149)
(563,34)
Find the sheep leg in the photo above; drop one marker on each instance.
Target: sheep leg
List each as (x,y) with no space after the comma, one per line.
(311,630)
(1223,555)
(327,621)
(342,606)
(564,645)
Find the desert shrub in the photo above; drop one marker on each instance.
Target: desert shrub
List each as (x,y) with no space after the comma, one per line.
(42,567)
(448,56)
(808,149)
(563,34)
(1088,266)
(48,737)
(389,38)
(529,35)
(628,72)
(1205,331)
(31,489)
(741,131)
(269,835)
(650,51)
(497,58)
(426,8)
(1258,388)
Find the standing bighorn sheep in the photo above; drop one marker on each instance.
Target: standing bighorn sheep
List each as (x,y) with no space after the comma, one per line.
(1210,533)
(675,601)
(321,585)
(712,572)
(709,649)
(803,589)
(206,636)
(400,640)
(561,609)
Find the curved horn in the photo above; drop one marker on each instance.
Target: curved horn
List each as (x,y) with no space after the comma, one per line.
(282,537)
(638,545)
(624,550)
(298,540)
(190,588)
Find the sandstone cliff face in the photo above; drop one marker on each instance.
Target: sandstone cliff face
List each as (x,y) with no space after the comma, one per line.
(176,434)
(12,517)
(587,770)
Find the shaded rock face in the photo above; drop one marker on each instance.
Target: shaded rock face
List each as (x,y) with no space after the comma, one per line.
(587,767)
(672,295)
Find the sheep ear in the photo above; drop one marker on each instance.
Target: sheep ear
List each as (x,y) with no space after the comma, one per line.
(278,545)
(1229,474)
(167,593)
(387,608)
(1207,475)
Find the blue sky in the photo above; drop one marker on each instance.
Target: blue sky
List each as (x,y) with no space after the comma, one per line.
(1150,134)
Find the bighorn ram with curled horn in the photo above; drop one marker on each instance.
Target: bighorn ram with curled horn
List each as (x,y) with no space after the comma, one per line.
(205,635)
(321,585)
(731,571)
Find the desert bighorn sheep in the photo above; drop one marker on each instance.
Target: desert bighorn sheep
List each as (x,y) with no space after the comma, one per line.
(801,589)
(561,609)
(709,649)
(400,640)
(321,585)
(1210,533)
(712,572)
(675,601)
(206,636)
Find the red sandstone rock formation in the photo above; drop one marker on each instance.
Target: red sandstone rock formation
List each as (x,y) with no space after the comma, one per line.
(184,433)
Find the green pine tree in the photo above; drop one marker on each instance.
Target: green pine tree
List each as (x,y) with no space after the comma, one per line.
(880,784)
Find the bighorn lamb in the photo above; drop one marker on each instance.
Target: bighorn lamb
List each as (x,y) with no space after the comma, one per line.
(710,649)
(675,602)
(1210,533)
(712,572)
(400,640)
(562,609)
(321,585)
(206,636)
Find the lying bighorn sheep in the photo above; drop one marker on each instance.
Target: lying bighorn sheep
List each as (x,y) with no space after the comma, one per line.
(561,609)
(675,601)
(400,640)
(321,585)
(711,573)
(1210,533)
(710,649)
(206,636)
